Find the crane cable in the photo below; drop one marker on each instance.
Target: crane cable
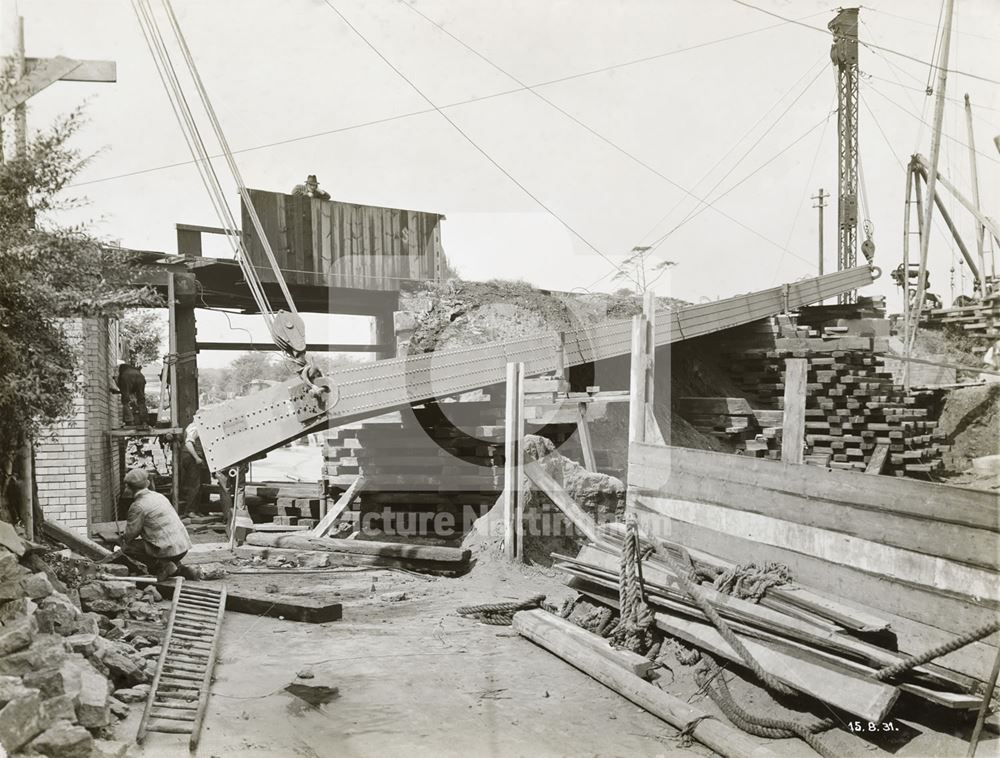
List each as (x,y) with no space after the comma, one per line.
(192,136)
(287,329)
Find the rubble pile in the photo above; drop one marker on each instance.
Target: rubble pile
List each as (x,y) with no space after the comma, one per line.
(77,648)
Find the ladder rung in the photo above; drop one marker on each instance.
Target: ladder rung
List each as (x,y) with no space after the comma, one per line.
(184,668)
(183,705)
(183,676)
(157,714)
(170,727)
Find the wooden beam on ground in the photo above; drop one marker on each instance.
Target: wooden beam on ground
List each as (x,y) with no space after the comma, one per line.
(303,608)
(793,432)
(513,491)
(80,545)
(387,549)
(577,516)
(548,631)
(338,508)
(878,460)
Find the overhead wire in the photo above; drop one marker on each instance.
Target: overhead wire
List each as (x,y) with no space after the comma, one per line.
(947,136)
(456,104)
(701,206)
(881,12)
(585,126)
(805,193)
(192,136)
(738,142)
(472,142)
(870,45)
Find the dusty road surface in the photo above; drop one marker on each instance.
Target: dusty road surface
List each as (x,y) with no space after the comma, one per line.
(409,677)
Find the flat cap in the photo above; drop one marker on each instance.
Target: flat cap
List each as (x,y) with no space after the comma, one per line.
(137,479)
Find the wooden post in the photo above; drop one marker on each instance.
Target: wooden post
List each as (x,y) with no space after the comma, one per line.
(987,698)
(794,425)
(974,177)
(932,173)
(186,336)
(172,359)
(906,269)
(586,444)
(642,424)
(513,492)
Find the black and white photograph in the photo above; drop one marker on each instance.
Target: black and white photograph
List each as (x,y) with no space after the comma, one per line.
(522,379)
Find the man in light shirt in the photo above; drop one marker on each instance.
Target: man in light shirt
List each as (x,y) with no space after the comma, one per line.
(154,533)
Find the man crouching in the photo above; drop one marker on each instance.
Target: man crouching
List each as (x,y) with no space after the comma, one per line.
(154,534)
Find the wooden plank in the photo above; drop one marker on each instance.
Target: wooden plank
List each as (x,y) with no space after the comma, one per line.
(80,545)
(637,387)
(968,507)
(836,547)
(793,425)
(577,516)
(726,406)
(976,547)
(338,508)
(876,464)
(548,631)
(586,444)
(84,71)
(921,618)
(513,491)
(849,691)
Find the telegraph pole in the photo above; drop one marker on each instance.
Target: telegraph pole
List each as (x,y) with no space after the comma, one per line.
(820,199)
(29,76)
(980,229)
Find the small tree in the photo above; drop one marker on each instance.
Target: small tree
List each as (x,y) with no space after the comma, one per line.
(142,334)
(641,269)
(48,273)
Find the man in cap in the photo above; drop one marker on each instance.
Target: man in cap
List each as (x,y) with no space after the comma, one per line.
(154,533)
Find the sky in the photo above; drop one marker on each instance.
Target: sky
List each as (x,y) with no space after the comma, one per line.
(594,126)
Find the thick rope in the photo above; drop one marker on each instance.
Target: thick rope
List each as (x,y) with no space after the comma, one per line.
(750,581)
(721,626)
(636,622)
(711,680)
(500,614)
(936,652)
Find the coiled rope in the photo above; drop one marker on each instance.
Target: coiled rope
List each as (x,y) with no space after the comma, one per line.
(500,614)
(635,622)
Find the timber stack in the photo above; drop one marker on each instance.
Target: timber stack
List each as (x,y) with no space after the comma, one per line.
(977,320)
(852,407)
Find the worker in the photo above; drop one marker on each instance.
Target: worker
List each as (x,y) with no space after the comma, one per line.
(193,468)
(311,189)
(132,385)
(154,534)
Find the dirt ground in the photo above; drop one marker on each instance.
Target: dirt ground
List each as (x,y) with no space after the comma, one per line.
(411,677)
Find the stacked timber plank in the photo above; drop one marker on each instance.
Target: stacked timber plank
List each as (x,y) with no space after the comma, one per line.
(298,504)
(918,555)
(852,407)
(731,419)
(428,460)
(980,319)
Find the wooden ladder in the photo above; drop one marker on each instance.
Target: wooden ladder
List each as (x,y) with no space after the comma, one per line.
(179,693)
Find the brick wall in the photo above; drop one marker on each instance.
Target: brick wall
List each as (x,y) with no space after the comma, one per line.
(76,466)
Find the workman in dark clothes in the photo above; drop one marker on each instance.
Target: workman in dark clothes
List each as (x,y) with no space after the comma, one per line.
(154,534)
(194,471)
(132,385)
